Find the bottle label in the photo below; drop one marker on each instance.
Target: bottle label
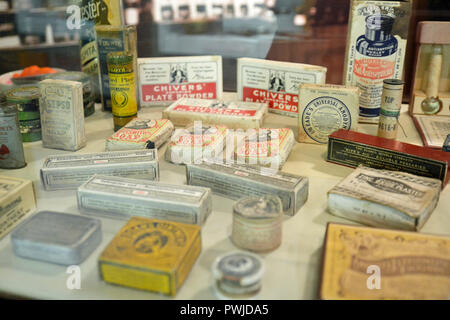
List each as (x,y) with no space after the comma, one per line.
(167,80)
(123,92)
(370,61)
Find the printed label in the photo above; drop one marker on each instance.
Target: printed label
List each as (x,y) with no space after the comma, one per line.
(212,110)
(324,115)
(276,86)
(167,82)
(59,106)
(377,44)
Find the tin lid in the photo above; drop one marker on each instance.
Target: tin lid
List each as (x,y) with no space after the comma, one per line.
(121,57)
(70,76)
(23,94)
(8,108)
(55,228)
(240,268)
(266,207)
(393,82)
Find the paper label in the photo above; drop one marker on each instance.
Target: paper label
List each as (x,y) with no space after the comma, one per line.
(161,82)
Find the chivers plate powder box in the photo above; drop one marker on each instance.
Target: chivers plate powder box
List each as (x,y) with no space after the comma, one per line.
(369,263)
(152,255)
(165,80)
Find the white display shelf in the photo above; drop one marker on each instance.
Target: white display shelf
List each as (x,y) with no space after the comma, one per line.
(292,271)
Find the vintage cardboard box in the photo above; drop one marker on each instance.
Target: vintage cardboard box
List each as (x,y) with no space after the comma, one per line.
(140,133)
(380,264)
(151,255)
(376,47)
(69,172)
(235,181)
(383,198)
(350,148)
(324,109)
(275,82)
(118,197)
(165,80)
(233,114)
(17,201)
(62,114)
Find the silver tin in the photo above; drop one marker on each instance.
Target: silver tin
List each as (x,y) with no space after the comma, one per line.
(70,171)
(238,180)
(117,197)
(11,147)
(57,237)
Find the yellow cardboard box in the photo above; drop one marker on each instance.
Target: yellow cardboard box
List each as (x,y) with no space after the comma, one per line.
(372,263)
(150,254)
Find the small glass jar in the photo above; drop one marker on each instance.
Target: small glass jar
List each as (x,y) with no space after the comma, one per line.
(257,223)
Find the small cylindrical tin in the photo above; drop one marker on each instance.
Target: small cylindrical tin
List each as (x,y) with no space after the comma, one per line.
(85,79)
(11,147)
(238,275)
(391,102)
(257,223)
(27,100)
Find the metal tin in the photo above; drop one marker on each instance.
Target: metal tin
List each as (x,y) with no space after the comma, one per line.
(236,181)
(27,99)
(17,201)
(118,197)
(71,171)
(62,118)
(11,147)
(152,255)
(140,133)
(391,102)
(257,223)
(233,114)
(238,275)
(55,237)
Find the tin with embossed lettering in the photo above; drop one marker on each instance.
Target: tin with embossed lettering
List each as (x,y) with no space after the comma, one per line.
(11,147)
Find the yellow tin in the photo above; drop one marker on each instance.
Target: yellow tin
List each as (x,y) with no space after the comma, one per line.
(152,255)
